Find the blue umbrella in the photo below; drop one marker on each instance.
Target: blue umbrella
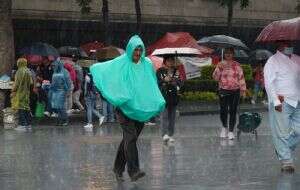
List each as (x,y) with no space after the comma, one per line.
(39,48)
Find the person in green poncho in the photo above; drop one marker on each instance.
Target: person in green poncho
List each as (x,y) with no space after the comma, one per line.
(129,83)
(20,94)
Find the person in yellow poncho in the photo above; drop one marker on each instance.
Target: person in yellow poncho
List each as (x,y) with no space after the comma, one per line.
(20,94)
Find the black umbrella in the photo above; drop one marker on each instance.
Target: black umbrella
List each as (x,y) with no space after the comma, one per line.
(260,55)
(70,51)
(39,48)
(222,41)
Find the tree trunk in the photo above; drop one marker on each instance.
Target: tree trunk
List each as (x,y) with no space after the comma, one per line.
(229,17)
(107,33)
(7,50)
(138,17)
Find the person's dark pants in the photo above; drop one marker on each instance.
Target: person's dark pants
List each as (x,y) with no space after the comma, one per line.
(167,121)
(24,117)
(229,100)
(128,152)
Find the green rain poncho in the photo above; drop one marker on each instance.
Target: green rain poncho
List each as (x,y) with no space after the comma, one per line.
(128,86)
(21,89)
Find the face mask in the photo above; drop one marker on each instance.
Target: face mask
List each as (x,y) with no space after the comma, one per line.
(288,50)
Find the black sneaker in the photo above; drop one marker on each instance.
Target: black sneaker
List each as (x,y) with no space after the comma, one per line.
(287,168)
(137,176)
(119,177)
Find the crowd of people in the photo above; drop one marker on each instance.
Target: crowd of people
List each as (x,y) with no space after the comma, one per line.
(62,87)
(59,85)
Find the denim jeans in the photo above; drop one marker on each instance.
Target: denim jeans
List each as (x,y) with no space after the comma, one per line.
(90,108)
(24,117)
(285,128)
(62,115)
(167,121)
(108,111)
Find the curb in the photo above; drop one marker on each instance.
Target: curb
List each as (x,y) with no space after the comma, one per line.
(217,111)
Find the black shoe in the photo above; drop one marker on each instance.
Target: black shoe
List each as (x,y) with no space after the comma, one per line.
(287,168)
(119,177)
(137,176)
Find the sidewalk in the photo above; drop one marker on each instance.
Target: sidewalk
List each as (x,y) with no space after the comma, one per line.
(197,108)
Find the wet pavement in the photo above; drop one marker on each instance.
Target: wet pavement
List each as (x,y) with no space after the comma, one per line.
(71,159)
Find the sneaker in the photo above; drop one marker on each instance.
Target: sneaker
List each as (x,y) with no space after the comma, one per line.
(230,136)
(287,167)
(224,132)
(46,113)
(166,138)
(89,127)
(150,124)
(137,176)
(101,120)
(171,140)
(64,124)
(252,101)
(20,128)
(54,115)
(264,102)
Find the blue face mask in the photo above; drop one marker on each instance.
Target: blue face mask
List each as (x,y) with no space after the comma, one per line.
(288,50)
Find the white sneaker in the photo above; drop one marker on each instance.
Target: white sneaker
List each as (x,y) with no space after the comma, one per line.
(264,102)
(150,124)
(101,120)
(224,132)
(54,115)
(46,113)
(166,138)
(20,128)
(230,135)
(253,102)
(171,140)
(88,127)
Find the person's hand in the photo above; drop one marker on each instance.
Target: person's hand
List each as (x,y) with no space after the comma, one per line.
(167,79)
(281,98)
(243,94)
(278,108)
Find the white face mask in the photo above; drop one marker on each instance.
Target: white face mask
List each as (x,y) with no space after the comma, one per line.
(288,50)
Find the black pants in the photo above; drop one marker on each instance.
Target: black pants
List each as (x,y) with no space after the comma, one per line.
(128,152)
(24,117)
(229,100)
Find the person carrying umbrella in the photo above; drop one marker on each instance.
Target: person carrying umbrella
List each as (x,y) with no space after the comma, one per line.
(124,82)
(281,75)
(20,94)
(230,77)
(169,83)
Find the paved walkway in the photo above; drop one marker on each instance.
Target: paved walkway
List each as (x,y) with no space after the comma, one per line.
(72,159)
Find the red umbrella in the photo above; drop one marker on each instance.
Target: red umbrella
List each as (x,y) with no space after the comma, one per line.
(176,40)
(283,30)
(92,47)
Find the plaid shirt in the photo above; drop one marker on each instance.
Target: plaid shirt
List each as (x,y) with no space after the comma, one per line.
(230,76)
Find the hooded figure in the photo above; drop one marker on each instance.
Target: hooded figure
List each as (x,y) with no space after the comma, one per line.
(21,88)
(128,86)
(21,93)
(58,88)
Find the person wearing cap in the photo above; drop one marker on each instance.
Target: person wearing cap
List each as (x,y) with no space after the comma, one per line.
(281,76)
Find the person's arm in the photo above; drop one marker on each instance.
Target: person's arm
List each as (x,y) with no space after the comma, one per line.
(269,78)
(217,72)
(242,82)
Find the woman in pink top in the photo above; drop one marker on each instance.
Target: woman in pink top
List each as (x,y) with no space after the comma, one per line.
(232,84)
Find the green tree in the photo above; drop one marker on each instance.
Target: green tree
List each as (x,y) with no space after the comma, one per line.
(85,9)
(298,7)
(6,37)
(138,16)
(229,4)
